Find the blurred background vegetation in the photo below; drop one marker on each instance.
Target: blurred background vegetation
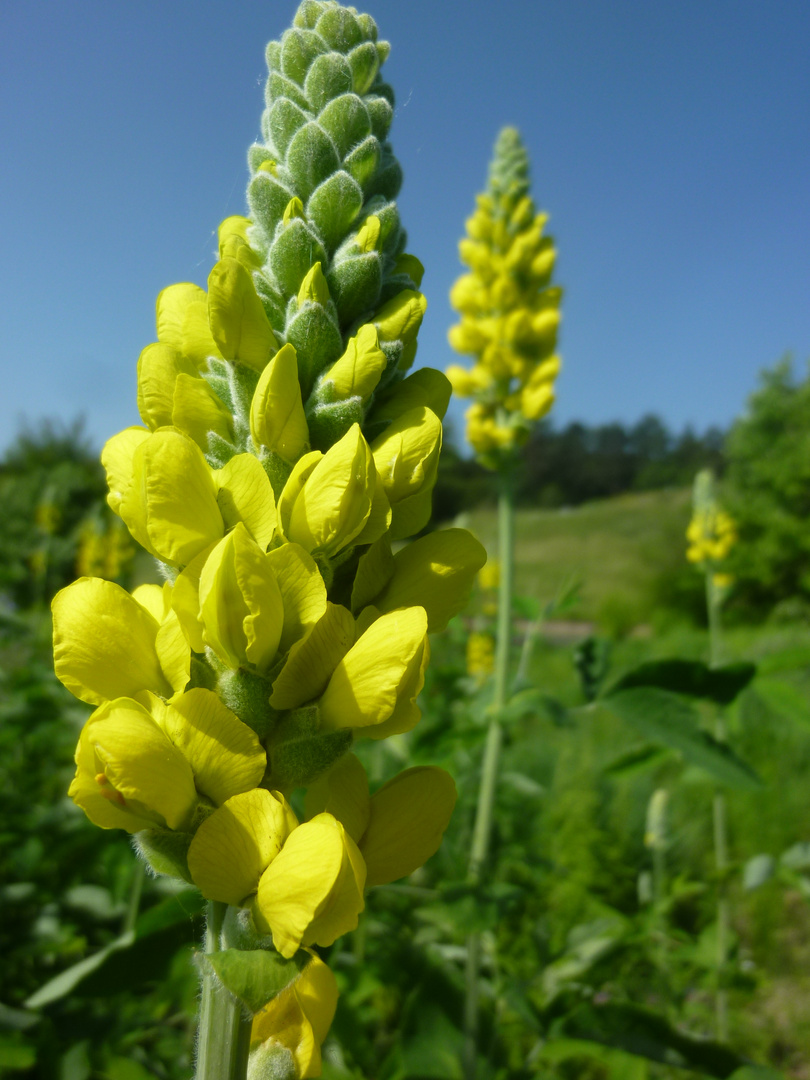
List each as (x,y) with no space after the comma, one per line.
(598,913)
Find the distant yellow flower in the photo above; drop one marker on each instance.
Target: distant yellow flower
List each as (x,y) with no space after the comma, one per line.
(480,655)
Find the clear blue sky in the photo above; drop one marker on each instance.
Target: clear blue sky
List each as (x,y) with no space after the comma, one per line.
(669,140)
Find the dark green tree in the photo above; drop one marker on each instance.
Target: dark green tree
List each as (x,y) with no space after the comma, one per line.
(768,484)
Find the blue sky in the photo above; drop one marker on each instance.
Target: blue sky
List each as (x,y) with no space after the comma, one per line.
(669,140)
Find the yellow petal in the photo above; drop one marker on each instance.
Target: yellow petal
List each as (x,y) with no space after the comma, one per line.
(134,765)
(299,1018)
(426,387)
(169,465)
(153,598)
(312,660)
(343,793)
(222,606)
(182,322)
(406,712)
(234,243)
(116,457)
(104,643)
(277,418)
(358,371)
(173,652)
(186,600)
(246,494)
(158,368)
(374,571)
(233,847)
(408,817)
(197,410)
(303,591)
(407,458)
(400,318)
(238,321)
(366,684)
(301,472)
(436,572)
(313,288)
(312,892)
(225,755)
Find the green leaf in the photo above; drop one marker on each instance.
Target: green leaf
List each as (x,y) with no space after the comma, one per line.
(669,720)
(65,982)
(689,677)
(256,975)
(756,1072)
(645,1033)
(16,1053)
(797,857)
(640,758)
(784,699)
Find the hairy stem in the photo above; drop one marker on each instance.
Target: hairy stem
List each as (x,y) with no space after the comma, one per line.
(489,770)
(223,1036)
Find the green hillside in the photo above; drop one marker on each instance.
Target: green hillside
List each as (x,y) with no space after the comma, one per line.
(625,550)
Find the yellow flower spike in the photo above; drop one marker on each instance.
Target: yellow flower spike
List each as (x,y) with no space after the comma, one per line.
(277,418)
(312,891)
(400,318)
(186,600)
(196,409)
(298,1019)
(328,499)
(129,775)
(245,494)
(407,821)
(314,288)
(407,459)
(313,659)
(427,387)
(303,591)
(234,243)
(468,295)
(182,322)
(116,457)
(358,371)
(435,572)
(104,643)
(225,755)
(172,529)
(240,602)
(368,238)
(343,793)
(158,368)
(238,321)
(378,673)
(234,846)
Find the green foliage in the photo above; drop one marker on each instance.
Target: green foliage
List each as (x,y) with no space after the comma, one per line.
(768,490)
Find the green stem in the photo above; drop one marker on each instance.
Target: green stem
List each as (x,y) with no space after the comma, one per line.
(223,1037)
(720,824)
(489,769)
(136,888)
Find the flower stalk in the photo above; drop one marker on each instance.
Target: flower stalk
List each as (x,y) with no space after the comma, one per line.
(223,1036)
(509,321)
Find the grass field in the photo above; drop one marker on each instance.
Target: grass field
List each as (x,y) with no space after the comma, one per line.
(620,549)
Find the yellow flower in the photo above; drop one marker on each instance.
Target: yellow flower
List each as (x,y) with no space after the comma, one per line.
(489,576)
(295,1023)
(141,766)
(374,687)
(407,458)
(277,418)
(398,828)
(334,499)
(109,644)
(480,655)
(240,602)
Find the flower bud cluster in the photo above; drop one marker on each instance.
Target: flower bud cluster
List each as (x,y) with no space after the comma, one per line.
(510,313)
(284,450)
